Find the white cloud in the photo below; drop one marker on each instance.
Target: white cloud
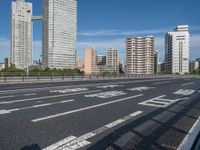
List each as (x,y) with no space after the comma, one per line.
(133,32)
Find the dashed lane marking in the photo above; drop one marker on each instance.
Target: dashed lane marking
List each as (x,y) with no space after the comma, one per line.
(157,83)
(45,97)
(7,96)
(108,94)
(85,108)
(74,143)
(190,83)
(70,90)
(140,89)
(30,94)
(2,112)
(108,86)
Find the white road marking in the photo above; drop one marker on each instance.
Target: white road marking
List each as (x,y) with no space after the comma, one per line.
(157,83)
(190,83)
(74,143)
(34,106)
(108,94)
(70,90)
(7,96)
(85,108)
(161,102)
(189,139)
(141,88)
(109,86)
(184,92)
(45,97)
(30,94)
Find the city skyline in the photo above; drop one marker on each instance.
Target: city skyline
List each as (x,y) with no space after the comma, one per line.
(92,30)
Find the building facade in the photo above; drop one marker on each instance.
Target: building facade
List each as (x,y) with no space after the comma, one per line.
(21,34)
(156,61)
(177,50)
(59,33)
(140,55)
(90,63)
(194,66)
(112,60)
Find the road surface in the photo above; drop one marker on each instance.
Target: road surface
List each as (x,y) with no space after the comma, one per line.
(96,115)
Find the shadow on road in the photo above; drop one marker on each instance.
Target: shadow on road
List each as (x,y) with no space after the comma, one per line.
(150,133)
(31,147)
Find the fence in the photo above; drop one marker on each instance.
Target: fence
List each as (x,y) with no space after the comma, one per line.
(6,78)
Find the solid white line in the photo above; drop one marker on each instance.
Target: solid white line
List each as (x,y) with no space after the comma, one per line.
(189,139)
(7,96)
(45,97)
(31,94)
(187,83)
(74,143)
(85,108)
(34,106)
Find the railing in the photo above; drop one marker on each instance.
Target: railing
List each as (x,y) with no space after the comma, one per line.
(57,77)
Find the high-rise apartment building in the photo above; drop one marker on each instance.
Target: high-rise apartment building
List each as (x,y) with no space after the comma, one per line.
(21,34)
(177,50)
(140,55)
(112,60)
(90,65)
(156,61)
(59,33)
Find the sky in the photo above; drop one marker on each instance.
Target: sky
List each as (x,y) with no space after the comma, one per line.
(107,23)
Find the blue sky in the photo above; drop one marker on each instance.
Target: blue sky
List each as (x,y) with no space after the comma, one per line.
(107,23)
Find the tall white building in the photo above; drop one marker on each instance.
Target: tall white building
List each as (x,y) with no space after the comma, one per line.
(59,33)
(21,34)
(177,50)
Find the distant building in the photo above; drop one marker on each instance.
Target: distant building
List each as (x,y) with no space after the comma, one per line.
(177,50)
(7,62)
(194,66)
(162,68)
(2,66)
(59,33)
(90,66)
(101,60)
(79,65)
(156,60)
(21,34)
(112,60)
(140,55)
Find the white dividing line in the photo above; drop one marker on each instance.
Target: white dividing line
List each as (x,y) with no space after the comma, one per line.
(31,94)
(189,139)
(45,97)
(7,96)
(157,83)
(190,83)
(2,112)
(74,143)
(85,108)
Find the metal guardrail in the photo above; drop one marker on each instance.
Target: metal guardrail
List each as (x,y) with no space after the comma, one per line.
(37,78)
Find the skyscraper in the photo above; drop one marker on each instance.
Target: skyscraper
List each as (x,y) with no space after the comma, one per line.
(140,55)
(21,34)
(59,33)
(177,49)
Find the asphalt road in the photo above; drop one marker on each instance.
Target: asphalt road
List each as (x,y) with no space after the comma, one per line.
(141,114)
